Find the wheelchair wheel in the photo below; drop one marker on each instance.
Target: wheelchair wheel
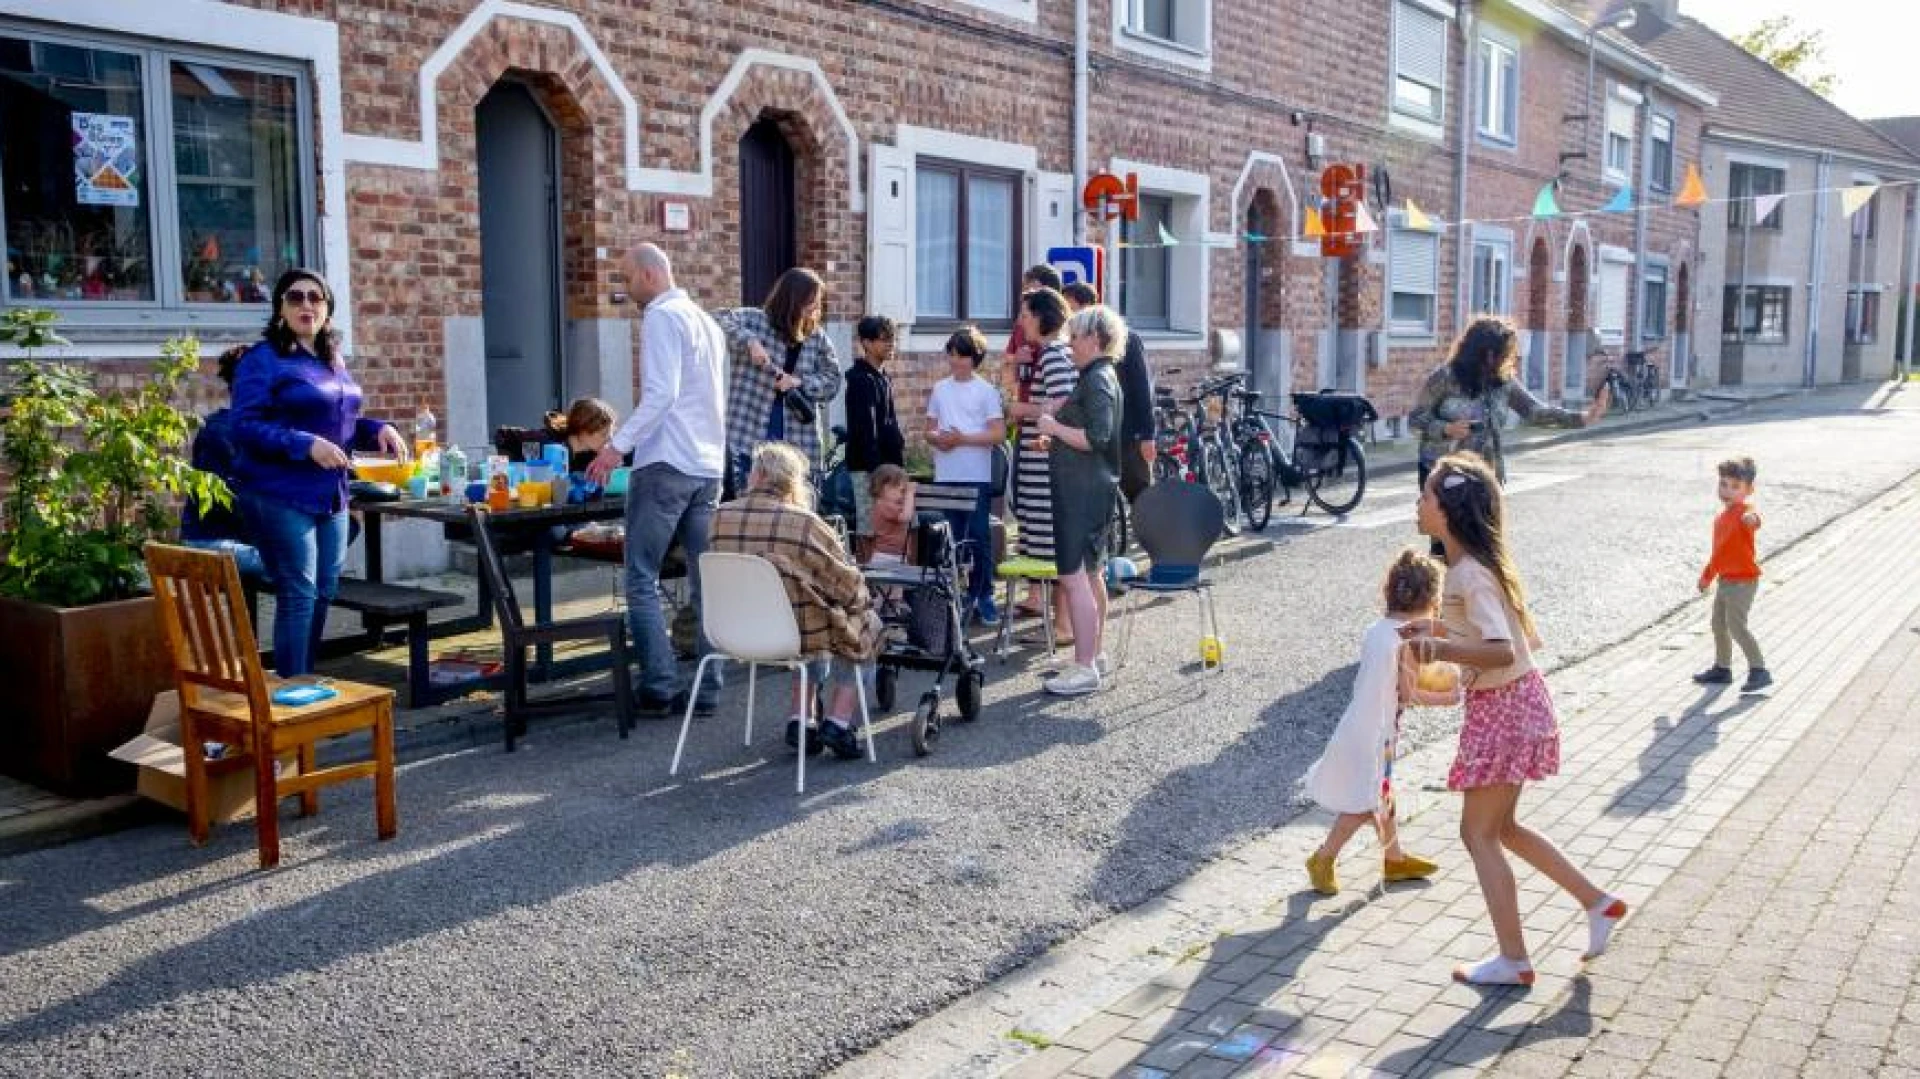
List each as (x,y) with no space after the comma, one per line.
(926,724)
(967,694)
(886,684)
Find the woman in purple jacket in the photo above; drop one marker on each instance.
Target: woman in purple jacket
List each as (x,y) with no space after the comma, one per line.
(296,416)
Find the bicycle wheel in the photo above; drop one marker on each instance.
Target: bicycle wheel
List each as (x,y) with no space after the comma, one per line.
(1256,483)
(1220,478)
(1338,487)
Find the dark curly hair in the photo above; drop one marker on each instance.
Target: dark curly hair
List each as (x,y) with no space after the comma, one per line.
(1483,357)
(326,343)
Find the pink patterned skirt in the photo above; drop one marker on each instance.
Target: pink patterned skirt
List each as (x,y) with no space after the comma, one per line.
(1510,736)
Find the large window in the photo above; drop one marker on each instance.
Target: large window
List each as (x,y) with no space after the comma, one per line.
(1746,182)
(1146,280)
(1756,314)
(1492,277)
(1615,271)
(1179,23)
(1414,279)
(102,215)
(1653,303)
(1419,63)
(1660,134)
(1863,317)
(1496,71)
(967,257)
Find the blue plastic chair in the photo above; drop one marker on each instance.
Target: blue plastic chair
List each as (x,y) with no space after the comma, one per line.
(1177,523)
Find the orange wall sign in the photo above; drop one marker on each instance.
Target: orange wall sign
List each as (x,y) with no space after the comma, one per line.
(1108,195)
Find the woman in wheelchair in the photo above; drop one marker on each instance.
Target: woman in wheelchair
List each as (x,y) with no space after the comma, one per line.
(774,520)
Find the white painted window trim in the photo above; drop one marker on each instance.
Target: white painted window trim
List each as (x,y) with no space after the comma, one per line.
(1673,149)
(1505,39)
(1619,95)
(1612,256)
(1434,128)
(929,142)
(1494,237)
(1027,11)
(262,33)
(1760,161)
(1127,39)
(1404,334)
(1188,267)
(1665,266)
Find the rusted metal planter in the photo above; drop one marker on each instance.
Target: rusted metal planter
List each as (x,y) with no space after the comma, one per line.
(75,682)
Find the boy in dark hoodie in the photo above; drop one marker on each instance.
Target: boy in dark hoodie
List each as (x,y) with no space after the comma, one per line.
(873,430)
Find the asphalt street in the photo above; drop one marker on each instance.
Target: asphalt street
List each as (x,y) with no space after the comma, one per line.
(570,910)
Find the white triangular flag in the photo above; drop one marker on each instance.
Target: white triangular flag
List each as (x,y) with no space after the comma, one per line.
(1363,221)
(1852,198)
(1764,205)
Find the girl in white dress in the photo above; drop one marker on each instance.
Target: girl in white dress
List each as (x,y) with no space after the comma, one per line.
(1354,775)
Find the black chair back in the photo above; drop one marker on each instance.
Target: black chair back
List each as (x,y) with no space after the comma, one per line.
(1177,523)
(506,607)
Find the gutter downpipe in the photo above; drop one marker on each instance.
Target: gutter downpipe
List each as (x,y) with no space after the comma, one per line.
(1637,288)
(1913,277)
(1082,75)
(1817,281)
(1463,243)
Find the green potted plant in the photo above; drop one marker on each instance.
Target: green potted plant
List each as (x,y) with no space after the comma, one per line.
(90,477)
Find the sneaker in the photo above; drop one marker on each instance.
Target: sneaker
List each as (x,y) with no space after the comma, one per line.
(647,707)
(985,613)
(1757,680)
(842,739)
(1074,681)
(1104,664)
(814,743)
(1714,676)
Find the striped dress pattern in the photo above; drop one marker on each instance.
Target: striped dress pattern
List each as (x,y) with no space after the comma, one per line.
(1032,480)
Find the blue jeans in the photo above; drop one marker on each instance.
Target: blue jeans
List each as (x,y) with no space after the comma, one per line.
(245,557)
(976,531)
(663,505)
(303,553)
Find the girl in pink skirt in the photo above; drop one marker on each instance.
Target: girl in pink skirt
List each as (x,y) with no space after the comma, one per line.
(1510,736)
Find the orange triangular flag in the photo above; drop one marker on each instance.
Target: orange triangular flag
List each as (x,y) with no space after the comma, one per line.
(1363,221)
(1694,191)
(1315,228)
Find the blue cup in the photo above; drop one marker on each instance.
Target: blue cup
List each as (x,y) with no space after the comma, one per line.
(476,491)
(556,456)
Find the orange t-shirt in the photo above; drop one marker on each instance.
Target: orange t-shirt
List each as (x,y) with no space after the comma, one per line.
(1733,556)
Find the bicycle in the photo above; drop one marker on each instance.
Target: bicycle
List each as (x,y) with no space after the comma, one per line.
(1195,450)
(1623,392)
(1644,374)
(1327,462)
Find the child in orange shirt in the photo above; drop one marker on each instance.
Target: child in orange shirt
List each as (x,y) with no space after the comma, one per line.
(1735,566)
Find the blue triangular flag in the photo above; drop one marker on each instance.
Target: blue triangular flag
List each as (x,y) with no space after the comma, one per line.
(1622,201)
(1255,238)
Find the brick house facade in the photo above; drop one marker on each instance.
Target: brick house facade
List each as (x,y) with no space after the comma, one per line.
(892,113)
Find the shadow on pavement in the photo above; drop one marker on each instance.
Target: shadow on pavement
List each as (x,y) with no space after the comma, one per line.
(1668,759)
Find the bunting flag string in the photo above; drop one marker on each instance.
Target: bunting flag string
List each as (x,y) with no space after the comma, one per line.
(1546,206)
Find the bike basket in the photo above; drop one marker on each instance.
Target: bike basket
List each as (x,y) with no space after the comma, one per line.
(1340,411)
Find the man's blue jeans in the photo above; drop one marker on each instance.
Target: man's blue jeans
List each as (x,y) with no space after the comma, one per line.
(303,553)
(664,505)
(976,530)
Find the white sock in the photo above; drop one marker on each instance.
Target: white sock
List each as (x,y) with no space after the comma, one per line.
(1601,918)
(1495,970)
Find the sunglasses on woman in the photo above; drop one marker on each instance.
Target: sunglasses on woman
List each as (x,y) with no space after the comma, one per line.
(298,296)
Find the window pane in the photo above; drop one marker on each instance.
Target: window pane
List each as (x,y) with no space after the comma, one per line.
(1412,309)
(937,243)
(990,250)
(74,158)
(1143,284)
(237,166)
(1415,97)
(1157,19)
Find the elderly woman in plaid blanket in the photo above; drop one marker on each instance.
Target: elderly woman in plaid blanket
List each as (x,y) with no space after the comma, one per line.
(783,372)
(774,519)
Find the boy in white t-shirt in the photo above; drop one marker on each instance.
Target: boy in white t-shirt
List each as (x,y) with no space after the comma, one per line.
(964,423)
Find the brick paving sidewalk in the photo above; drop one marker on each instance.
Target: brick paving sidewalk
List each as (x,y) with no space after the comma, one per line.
(1241,971)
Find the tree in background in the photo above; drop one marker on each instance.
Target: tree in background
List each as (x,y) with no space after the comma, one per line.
(1800,54)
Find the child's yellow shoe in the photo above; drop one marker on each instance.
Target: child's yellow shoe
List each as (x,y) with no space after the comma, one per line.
(1412,867)
(1320,873)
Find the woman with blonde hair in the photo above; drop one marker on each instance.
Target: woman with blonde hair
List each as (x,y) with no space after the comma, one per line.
(1084,472)
(774,519)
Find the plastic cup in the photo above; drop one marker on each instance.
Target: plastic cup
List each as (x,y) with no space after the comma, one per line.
(476,491)
(617,482)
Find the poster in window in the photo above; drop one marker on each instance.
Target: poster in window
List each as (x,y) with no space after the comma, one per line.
(106,164)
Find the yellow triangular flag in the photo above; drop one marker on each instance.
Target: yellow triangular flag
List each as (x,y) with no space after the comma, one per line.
(1852,198)
(1363,221)
(1694,191)
(1315,228)
(1416,219)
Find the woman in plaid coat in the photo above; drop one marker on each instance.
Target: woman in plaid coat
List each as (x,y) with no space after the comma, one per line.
(774,520)
(778,351)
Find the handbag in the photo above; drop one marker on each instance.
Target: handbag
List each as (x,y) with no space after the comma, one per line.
(798,401)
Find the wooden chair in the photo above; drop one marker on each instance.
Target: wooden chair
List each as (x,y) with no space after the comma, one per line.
(225,696)
(516,637)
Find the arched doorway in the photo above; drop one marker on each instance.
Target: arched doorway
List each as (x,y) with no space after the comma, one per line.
(769,226)
(1265,349)
(1680,370)
(519,186)
(1574,382)
(1539,283)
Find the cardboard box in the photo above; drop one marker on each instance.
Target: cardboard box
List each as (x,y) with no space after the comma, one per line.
(163,766)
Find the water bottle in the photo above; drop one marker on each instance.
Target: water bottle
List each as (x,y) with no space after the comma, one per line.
(425,428)
(453,472)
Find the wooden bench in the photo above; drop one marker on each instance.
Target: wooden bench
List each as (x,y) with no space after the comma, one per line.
(380,606)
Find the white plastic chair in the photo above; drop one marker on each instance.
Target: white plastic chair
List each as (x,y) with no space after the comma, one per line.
(747,617)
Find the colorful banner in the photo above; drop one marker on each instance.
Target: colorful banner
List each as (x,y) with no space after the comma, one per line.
(1544,204)
(1621,203)
(1694,191)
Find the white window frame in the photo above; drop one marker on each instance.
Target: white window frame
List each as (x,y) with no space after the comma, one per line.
(1488,75)
(1656,269)
(170,305)
(964,173)
(1430,124)
(1399,237)
(1027,11)
(1188,286)
(1615,266)
(1498,243)
(1653,152)
(1621,121)
(1193,50)
(1739,203)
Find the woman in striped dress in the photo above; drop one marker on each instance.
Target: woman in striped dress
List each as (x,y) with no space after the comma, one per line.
(1048,380)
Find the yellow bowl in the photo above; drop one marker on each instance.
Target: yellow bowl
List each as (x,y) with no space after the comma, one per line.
(381,470)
